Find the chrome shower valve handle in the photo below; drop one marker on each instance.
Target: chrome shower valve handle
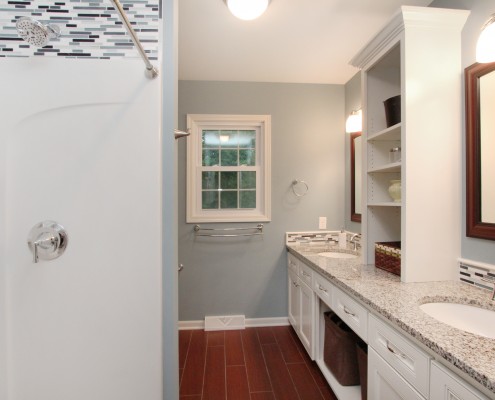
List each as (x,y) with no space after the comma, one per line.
(47,240)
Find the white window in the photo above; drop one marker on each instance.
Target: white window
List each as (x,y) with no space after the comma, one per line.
(228,174)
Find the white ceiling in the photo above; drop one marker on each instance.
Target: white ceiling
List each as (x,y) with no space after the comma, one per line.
(300,41)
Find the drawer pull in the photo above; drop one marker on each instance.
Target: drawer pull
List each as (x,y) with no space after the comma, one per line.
(322,289)
(295,284)
(348,312)
(395,352)
(305,273)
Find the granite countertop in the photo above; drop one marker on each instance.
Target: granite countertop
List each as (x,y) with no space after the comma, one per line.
(399,303)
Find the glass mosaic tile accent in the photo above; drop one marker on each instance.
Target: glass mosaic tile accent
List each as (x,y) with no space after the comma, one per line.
(89,29)
(474,275)
(292,238)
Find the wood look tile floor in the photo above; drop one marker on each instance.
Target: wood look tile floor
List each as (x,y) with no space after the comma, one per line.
(253,364)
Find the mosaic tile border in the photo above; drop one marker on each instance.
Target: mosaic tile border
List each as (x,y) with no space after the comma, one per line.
(89,29)
(293,238)
(472,272)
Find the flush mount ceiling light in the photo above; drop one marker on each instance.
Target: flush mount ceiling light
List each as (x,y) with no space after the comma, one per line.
(247,9)
(354,122)
(485,48)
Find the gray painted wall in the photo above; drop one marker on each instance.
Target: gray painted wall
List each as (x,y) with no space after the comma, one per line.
(474,249)
(248,276)
(352,103)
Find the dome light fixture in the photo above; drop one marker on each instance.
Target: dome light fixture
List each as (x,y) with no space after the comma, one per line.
(485,47)
(247,9)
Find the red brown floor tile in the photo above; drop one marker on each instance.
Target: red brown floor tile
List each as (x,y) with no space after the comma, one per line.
(237,384)
(253,364)
(234,354)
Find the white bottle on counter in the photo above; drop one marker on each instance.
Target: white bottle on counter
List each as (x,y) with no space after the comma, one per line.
(342,239)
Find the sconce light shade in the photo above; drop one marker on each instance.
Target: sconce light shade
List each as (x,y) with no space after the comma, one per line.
(247,9)
(354,122)
(485,48)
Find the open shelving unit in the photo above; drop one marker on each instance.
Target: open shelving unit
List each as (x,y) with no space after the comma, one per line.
(404,59)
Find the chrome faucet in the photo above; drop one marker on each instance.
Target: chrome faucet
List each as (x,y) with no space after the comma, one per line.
(353,240)
(492,281)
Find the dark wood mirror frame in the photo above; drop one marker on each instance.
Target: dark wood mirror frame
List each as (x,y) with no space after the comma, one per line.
(354,216)
(475,227)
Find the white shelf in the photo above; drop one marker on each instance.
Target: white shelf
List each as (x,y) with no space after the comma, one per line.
(392,167)
(342,392)
(391,133)
(385,204)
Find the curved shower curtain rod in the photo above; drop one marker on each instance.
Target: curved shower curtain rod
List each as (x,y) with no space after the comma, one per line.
(151,71)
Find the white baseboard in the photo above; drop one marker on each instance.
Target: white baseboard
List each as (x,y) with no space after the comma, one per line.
(249,322)
(277,321)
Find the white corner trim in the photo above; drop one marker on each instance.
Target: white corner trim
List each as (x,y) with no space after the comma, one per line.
(250,323)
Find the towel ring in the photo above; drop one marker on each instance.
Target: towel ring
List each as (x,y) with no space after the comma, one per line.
(305,188)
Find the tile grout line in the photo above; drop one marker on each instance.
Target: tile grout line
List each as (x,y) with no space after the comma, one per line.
(185,360)
(266,365)
(286,364)
(204,366)
(225,366)
(245,364)
(306,364)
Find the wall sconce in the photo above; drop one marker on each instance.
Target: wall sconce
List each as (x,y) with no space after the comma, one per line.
(247,9)
(485,48)
(354,122)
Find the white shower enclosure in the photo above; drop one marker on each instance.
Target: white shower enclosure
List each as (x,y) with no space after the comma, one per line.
(80,144)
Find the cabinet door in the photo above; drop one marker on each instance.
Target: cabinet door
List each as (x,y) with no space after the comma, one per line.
(385,383)
(307,318)
(446,386)
(294,300)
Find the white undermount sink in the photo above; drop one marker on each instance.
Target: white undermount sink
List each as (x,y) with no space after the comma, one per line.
(336,254)
(465,317)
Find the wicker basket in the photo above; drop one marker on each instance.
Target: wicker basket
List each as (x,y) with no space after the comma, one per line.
(387,256)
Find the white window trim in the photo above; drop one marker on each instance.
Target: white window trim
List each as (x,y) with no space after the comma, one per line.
(195,124)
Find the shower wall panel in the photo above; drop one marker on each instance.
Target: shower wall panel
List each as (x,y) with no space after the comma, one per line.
(83,149)
(3,295)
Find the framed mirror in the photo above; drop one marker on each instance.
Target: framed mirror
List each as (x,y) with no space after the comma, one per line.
(356,148)
(480,146)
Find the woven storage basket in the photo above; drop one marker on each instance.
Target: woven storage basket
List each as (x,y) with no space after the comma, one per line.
(387,256)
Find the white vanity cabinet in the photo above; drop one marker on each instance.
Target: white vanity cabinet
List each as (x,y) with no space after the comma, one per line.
(417,56)
(301,302)
(444,385)
(398,369)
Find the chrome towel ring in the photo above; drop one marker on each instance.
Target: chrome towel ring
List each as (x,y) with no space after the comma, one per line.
(300,188)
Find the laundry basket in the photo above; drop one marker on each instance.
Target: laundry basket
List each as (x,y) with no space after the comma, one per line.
(339,352)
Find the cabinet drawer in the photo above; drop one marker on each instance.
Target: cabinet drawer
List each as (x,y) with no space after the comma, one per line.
(405,357)
(353,314)
(292,263)
(306,274)
(445,385)
(384,383)
(323,289)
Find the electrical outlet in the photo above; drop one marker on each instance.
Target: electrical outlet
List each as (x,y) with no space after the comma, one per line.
(322,223)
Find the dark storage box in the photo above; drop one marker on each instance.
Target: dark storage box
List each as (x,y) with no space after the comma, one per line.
(392,110)
(362,356)
(339,352)
(387,256)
